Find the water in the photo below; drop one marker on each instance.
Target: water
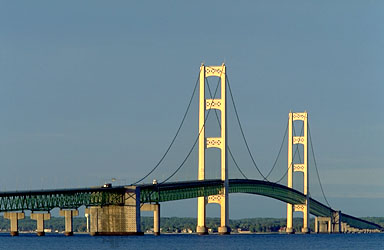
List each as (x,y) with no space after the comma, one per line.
(180,241)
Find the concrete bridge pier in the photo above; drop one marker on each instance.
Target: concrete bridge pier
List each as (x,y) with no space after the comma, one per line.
(336,222)
(329,224)
(201,228)
(156,216)
(121,219)
(92,220)
(40,218)
(344,227)
(14,218)
(68,217)
(322,224)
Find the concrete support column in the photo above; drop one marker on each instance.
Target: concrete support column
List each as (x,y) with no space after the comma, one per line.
(201,229)
(156,220)
(336,222)
(68,217)
(330,226)
(40,218)
(323,225)
(87,218)
(344,227)
(305,228)
(92,213)
(224,228)
(156,216)
(14,218)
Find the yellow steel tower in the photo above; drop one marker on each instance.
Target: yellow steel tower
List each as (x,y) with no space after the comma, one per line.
(301,167)
(213,142)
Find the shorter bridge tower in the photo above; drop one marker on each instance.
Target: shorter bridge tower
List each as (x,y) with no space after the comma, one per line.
(300,167)
(213,142)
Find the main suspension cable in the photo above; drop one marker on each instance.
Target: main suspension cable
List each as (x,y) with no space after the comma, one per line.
(229,150)
(317,171)
(237,166)
(241,129)
(194,144)
(177,133)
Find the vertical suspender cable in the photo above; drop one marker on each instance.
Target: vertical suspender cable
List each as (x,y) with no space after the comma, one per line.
(242,132)
(278,155)
(317,171)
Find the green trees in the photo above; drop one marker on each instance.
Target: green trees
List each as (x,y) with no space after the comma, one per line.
(55,224)
(255,225)
(177,225)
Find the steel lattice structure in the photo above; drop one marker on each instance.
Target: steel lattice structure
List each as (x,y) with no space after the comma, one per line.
(45,200)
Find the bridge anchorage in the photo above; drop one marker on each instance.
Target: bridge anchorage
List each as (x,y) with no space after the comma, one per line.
(116,210)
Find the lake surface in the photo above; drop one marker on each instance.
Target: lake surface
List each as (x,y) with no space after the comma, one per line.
(181,241)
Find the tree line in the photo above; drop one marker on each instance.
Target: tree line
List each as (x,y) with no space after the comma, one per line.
(177,224)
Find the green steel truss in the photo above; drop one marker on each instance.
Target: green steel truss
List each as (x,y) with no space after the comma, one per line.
(45,200)
(192,189)
(179,190)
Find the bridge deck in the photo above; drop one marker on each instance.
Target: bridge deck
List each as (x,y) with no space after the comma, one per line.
(45,200)
(191,189)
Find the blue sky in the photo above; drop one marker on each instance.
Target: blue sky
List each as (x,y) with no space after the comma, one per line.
(94,90)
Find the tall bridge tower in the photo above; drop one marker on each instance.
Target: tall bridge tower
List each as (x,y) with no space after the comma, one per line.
(300,167)
(213,142)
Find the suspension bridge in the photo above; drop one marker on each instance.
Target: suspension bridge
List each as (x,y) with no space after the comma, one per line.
(116,210)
